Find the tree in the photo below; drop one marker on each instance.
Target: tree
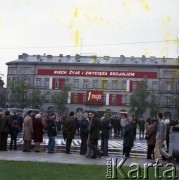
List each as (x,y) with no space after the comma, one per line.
(138,100)
(18,93)
(153,106)
(36,98)
(3,94)
(176,102)
(60,99)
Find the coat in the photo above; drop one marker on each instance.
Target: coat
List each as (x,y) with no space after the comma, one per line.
(38,130)
(84,128)
(128,135)
(5,124)
(69,127)
(105,128)
(28,128)
(151,134)
(51,128)
(94,128)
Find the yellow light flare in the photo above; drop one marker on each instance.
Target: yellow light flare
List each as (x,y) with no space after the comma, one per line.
(145,5)
(76,13)
(76,38)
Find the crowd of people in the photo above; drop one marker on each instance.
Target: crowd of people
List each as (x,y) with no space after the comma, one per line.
(90,127)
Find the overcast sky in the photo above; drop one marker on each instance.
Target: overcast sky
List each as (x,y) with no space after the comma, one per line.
(101,27)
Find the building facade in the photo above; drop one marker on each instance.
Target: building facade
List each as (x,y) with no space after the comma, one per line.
(98,83)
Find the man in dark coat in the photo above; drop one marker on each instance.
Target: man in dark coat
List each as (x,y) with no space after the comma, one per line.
(84,133)
(141,128)
(69,127)
(105,129)
(94,133)
(128,137)
(52,132)
(4,130)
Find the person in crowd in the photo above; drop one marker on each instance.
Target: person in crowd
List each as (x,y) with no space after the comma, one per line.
(105,130)
(168,127)
(5,123)
(69,129)
(63,119)
(94,133)
(123,122)
(51,132)
(77,119)
(160,138)
(84,133)
(14,130)
(117,125)
(20,121)
(134,123)
(38,132)
(89,153)
(28,131)
(151,138)
(128,137)
(141,128)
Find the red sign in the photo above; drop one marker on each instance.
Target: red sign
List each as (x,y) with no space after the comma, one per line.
(94,96)
(129,74)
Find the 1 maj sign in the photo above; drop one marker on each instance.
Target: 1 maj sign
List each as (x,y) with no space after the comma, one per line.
(94,96)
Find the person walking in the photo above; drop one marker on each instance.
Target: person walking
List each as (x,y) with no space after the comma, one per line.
(69,129)
(105,130)
(128,137)
(84,133)
(151,138)
(52,132)
(5,123)
(160,138)
(28,131)
(38,132)
(94,133)
(141,128)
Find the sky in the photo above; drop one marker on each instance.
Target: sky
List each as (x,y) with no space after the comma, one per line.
(88,27)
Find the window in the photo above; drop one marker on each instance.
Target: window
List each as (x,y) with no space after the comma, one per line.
(169,74)
(95,84)
(168,101)
(84,98)
(85,83)
(124,82)
(104,84)
(47,82)
(154,85)
(168,86)
(124,99)
(14,71)
(114,84)
(113,99)
(75,98)
(104,99)
(24,70)
(76,83)
(38,82)
(134,85)
(56,83)
(67,81)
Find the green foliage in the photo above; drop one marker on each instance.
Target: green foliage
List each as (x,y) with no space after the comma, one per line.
(18,93)
(60,99)
(138,100)
(36,99)
(153,106)
(176,101)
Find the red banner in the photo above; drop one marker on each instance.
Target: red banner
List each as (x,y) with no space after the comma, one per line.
(94,96)
(129,74)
